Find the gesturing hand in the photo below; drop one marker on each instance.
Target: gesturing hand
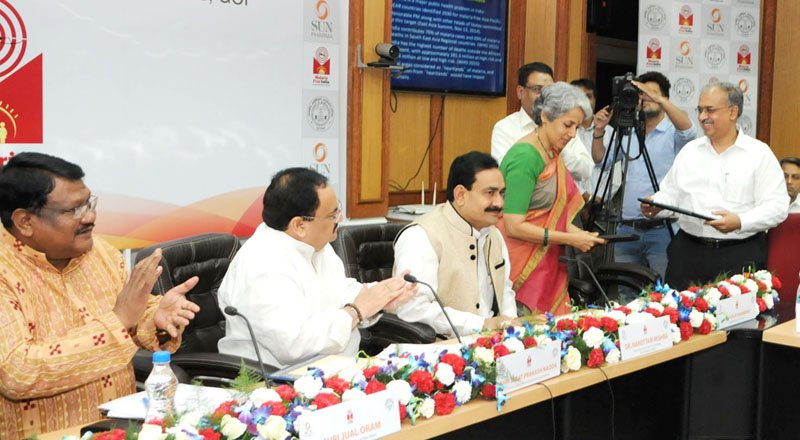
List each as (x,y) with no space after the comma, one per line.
(175,311)
(727,223)
(387,294)
(132,299)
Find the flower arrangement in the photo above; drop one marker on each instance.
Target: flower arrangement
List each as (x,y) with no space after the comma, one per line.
(432,386)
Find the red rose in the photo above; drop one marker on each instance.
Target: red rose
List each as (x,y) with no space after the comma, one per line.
(114,434)
(672,313)
(705,328)
(455,361)
(761,286)
(422,380)
(587,322)
(565,324)
(762,305)
(224,408)
(656,297)
(337,384)
(653,312)
(209,434)
(687,302)
(724,291)
(324,400)
(286,392)
(500,350)
(610,325)
(488,391)
(373,386)
(484,342)
(776,282)
(686,330)
(701,305)
(438,385)
(624,310)
(596,358)
(693,289)
(744,289)
(370,372)
(444,403)
(529,342)
(277,408)
(403,412)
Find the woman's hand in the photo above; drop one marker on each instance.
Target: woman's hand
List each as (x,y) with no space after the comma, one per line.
(584,241)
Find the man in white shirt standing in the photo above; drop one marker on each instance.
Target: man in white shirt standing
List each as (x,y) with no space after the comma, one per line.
(532,78)
(791,174)
(287,279)
(728,175)
(457,249)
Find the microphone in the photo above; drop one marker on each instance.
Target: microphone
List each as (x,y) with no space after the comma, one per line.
(412,279)
(565,259)
(231,311)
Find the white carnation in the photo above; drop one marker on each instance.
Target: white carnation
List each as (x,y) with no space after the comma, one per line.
(273,429)
(689,294)
(712,319)
(352,394)
(463,391)
(426,407)
(593,337)
(152,432)
(712,297)
(308,386)
(352,375)
(769,300)
(751,285)
(695,318)
(668,300)
(636,305)
(542,340)
(483,355)
(738,278)
(262,395)
(734,290)
(613,356)
(402,390)
(445,374)
(765,277)
(191,418)
(231,428)
(616,315)
(514,345)
(572,360)
(656,306)
(675,332)
(637,318)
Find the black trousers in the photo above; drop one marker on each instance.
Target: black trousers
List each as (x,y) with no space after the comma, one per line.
(690,262)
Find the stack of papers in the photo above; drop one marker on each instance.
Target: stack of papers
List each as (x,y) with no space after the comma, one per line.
(187,397)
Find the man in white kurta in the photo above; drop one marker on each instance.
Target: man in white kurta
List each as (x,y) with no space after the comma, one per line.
(291,285)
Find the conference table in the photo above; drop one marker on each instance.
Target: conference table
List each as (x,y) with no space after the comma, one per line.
(779,386)
(476,418)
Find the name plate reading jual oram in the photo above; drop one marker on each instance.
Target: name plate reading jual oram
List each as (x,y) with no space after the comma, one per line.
(534,365)
(736,309)
(637,340)
(374,416)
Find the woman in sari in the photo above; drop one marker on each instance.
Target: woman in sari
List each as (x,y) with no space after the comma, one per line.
(542,200)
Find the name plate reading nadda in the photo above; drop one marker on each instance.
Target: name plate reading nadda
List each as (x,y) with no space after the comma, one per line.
(637,340)
(737,309)
(374,416)
(534,365)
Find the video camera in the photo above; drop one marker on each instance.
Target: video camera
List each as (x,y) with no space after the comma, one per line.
(625,99)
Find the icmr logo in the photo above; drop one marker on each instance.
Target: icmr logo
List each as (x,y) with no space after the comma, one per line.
(349,416)
(320,152)
(20,83)
(746,124)
(655,17)
(322,26)
(716,27)
(745,24)
(684,89)
(715,56)
(683,60)
(654,52)
(685,20)
(743,58)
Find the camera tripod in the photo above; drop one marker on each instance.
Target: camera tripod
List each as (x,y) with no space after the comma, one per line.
(602,209)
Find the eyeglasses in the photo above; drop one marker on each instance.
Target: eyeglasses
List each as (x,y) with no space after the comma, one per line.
(79,211)
(710,110)
(534,89)
(336,216)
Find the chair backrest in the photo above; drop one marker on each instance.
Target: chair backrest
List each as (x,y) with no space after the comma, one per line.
(782,255)
(367,250)
(208,257)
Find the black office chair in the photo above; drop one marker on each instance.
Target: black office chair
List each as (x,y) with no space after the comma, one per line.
(368,255)
(208,257)
(584,292)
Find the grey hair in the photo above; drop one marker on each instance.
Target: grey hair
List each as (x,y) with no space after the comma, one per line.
(558,99)
(735,96)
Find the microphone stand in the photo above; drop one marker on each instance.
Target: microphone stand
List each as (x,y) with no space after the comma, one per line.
(232,311)
(412,279)
(565,259)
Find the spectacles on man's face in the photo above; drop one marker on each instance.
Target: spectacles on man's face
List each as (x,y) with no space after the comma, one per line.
(534,89)
(79,211)
(710,110)
(335,216)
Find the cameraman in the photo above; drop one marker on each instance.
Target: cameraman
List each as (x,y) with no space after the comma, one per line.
(667,130)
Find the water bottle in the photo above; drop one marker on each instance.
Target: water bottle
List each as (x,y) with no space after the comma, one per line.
(161,386)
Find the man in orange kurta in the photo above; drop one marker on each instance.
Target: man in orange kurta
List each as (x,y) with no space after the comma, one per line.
(70,317)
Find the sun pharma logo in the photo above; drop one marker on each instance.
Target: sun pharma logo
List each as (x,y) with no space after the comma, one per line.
(20,82)
(322,21)
(322,9)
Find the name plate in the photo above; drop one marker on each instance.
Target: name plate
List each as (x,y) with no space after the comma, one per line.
(637,340)
(736,309)
(374,416)
(534,365)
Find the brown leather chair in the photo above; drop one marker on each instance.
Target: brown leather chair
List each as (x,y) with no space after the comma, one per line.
(782,255)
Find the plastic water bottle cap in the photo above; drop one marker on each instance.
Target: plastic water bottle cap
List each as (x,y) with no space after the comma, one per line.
(161,357)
